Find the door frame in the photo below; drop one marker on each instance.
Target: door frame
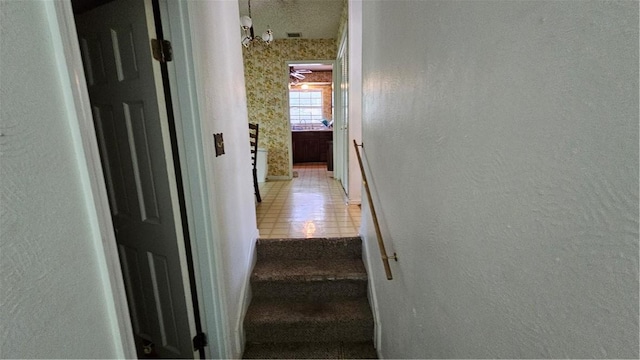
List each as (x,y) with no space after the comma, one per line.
(345,153)
(341,151)
(286,103)
(207,273)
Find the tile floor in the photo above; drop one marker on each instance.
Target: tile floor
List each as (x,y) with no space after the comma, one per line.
(311,205)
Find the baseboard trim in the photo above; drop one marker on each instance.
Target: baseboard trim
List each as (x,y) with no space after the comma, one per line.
(278,178)
(245,295)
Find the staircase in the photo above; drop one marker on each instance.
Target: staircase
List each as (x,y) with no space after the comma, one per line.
(309,301)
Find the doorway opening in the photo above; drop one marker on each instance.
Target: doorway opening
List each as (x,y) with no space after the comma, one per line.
(313,203)
(311,107)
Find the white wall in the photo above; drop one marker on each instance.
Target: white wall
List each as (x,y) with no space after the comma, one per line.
(503,142)
(221,95)
(354,27)
(53,302)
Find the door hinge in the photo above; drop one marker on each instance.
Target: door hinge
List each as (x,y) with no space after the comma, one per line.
(199,341)
(162,50)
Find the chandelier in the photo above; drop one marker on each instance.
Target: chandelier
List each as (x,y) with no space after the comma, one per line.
(248,36)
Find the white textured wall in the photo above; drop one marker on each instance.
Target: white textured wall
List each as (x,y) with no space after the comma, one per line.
(503,142)
(354,27)
(52,298)
(223,109)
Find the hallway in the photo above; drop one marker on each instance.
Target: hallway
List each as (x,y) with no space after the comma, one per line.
(313,204)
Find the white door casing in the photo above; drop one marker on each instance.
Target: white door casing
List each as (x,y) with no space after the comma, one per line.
(136,155)
(287,107)
(337,120)
(343,113)
(354,88)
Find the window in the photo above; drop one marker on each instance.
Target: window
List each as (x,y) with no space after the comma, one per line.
(305,109)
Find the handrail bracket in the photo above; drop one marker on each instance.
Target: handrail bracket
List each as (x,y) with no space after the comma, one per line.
(393,257)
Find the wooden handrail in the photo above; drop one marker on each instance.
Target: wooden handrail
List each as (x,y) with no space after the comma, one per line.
(376,225)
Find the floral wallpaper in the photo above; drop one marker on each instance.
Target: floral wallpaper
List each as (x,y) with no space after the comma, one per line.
(265,72)
(327,100)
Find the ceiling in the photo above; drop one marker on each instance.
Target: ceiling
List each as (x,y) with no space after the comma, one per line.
(314,19)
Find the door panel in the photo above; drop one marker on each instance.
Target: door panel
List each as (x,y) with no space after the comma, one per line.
(124,55)
(162,290)
(114,40)
(93,60)
(135,120)
(140,318)
(114,175)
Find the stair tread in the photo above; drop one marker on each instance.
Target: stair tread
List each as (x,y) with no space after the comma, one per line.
(306,240)
(309,270)
(310,248)
(278,312)
(306,350)
(313,292)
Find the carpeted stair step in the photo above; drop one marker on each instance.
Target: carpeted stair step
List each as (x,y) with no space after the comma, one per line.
(309,249)
(309,280)
(276,321)
(333,350)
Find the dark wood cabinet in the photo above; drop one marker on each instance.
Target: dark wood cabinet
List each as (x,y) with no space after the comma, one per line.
(310,146)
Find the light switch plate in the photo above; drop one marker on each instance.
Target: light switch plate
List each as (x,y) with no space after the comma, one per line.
(219,144)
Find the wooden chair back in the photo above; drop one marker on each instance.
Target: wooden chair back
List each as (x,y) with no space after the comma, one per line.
(253,141)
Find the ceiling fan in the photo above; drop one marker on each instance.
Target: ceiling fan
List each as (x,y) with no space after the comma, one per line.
(298,74)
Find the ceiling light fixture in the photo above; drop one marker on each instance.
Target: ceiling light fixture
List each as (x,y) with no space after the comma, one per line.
(248,37)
